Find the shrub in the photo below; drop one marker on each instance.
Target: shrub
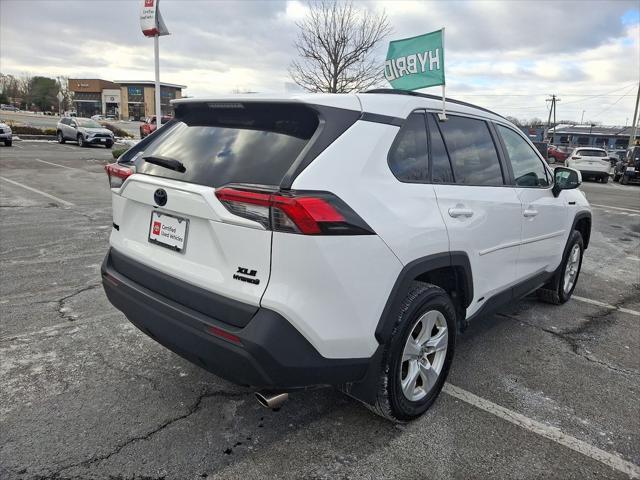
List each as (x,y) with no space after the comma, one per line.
(118,132)
(116,152)
(50,131)
(28,130)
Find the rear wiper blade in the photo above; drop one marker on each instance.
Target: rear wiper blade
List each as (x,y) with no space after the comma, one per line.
(170,163)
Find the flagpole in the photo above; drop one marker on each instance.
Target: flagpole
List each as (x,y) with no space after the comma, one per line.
(444,112)
(156,47)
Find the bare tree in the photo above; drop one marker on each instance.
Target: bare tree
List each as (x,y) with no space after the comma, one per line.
(336,43)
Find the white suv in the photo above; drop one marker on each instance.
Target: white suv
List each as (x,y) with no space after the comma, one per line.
(591,162)
(340,240)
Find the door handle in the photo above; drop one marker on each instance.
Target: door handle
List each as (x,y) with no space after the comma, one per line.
(530,213)
(460,212)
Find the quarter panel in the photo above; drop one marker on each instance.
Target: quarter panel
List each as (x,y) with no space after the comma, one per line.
(354,167)
(332,289)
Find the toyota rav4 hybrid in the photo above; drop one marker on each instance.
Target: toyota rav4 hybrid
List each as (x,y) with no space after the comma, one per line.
(84,131)
(342,240)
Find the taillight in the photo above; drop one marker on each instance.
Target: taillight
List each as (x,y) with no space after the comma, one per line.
(301,212)
(117,174)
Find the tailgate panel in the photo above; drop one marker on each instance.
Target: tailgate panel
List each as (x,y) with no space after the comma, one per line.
(214,250)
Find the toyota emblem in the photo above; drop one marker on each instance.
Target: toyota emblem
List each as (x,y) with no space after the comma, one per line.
(160,197)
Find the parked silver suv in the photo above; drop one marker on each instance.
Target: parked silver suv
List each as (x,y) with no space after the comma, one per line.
(84,131)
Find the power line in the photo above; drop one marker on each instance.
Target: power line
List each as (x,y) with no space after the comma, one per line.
(614,103)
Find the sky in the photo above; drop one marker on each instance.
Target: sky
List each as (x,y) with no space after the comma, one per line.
(508,56)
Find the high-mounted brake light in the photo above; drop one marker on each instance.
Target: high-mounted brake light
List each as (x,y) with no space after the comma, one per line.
(306,213)
(117,174)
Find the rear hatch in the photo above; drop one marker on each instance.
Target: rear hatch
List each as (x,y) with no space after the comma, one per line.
(591,159)
(167,216)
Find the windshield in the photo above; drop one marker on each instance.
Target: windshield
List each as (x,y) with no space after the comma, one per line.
(592,153)
(86,123)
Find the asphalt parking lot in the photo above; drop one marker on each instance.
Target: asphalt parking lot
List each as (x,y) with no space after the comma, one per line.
(536,391)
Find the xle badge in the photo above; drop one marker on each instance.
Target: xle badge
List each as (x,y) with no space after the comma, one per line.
(239,275)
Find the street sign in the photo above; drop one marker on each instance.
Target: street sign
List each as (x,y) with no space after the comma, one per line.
(416,62)
(60,96)
(151,21)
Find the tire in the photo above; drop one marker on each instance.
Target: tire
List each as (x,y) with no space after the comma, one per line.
(109,144)
(557,291)
(81,142)
(425,304)
(616,177)
(8,143)
(624,180)
(605,179)
(60,137)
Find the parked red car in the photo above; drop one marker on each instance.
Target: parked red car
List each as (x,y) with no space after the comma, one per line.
(558,153)
(149,126)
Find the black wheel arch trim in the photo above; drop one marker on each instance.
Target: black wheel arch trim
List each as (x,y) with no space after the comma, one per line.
(579,216)
(409,273)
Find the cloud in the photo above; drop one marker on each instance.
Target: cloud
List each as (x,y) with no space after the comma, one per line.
(506,55)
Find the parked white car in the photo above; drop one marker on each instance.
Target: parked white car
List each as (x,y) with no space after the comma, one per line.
(97,118)
(591,162)
(6,135)
(341,240)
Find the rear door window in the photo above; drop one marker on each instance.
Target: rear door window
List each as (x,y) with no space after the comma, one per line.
(528,169)
(592,153)
(473,154)
(408,159)
(222,143)
(440,166)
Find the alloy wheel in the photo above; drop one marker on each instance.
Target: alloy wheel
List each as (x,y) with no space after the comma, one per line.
(572,269)
(424,354)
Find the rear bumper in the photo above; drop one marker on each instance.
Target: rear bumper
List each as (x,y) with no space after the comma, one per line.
(595,172)
(271,353)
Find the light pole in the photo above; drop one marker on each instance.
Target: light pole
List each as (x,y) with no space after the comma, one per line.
(156,48)
(582,118)
(152,25)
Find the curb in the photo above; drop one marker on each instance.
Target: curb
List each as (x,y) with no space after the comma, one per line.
(34,137)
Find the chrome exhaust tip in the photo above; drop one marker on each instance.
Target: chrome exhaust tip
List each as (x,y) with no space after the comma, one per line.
(271,400)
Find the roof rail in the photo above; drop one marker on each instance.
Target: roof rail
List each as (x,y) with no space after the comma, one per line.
(432,97)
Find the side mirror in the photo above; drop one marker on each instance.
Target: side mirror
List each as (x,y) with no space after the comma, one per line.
(565,179)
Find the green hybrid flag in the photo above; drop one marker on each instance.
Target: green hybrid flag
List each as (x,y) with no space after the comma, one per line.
(416,62)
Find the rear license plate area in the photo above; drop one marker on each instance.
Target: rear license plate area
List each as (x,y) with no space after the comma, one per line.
(168,231)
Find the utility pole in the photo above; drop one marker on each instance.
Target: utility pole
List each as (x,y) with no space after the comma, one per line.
(582,118)
(634,125)
(553,101)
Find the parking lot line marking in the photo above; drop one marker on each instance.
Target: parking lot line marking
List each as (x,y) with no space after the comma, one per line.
(606,305)
(69,168)
(56,164)
(39,192)
(554,434)
(616,208)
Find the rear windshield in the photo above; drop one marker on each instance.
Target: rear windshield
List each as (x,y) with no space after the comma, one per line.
(592,153)
(221,143)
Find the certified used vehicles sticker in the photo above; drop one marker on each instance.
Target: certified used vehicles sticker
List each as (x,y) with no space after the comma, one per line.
(168,231)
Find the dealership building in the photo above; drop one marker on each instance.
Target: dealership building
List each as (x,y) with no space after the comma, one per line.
(123,99)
